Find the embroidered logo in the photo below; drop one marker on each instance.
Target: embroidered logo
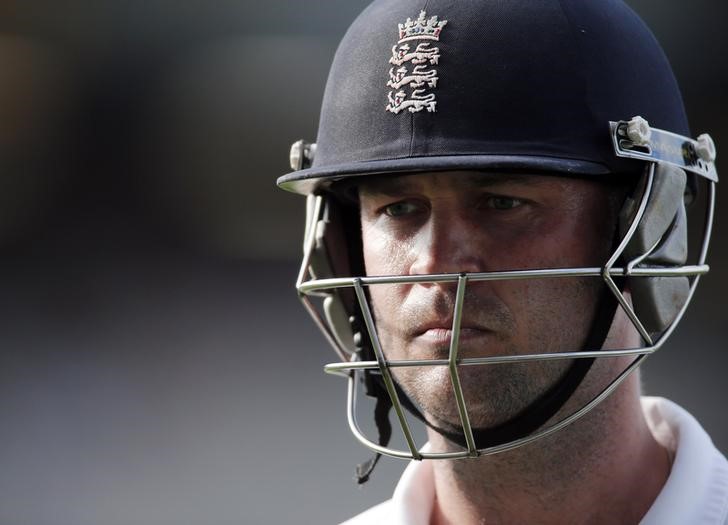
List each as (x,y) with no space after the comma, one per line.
(411,66)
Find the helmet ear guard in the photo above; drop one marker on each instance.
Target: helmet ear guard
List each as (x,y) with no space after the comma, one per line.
(330,245)
(659,241)
(661,238)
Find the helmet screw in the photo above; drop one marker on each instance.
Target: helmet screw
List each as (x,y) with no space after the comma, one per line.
(302,153)
(706,148)
(638,131)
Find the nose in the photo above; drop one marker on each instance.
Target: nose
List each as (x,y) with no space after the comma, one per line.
(449,242)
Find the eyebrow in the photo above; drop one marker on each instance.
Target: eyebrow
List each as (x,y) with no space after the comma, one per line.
(393,184)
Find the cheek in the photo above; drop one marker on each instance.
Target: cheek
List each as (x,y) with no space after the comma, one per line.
(563,244)
(551,314)
(383,254)
(590,228)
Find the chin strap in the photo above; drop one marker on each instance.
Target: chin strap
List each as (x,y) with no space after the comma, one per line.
(384,427)
(522,424)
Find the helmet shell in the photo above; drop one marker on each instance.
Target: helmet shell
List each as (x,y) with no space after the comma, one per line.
(519,85)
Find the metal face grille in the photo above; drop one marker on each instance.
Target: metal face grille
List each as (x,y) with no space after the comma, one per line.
(352,366)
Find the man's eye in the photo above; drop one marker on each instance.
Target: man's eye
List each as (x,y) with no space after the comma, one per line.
(400,209)
(503,203)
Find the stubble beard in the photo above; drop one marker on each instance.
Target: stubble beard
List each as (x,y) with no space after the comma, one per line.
(493,393)
(496,393)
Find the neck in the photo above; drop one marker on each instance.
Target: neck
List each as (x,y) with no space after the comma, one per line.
(604,468)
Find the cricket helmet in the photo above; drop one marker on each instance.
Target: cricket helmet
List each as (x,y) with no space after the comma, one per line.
(567,87)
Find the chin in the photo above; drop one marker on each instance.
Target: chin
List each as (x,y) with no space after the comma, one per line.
(432,391)
(493,393)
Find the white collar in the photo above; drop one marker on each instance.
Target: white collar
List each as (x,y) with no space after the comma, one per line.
(696,491)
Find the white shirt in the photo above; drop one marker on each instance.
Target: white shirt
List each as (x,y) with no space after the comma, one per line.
(696,491)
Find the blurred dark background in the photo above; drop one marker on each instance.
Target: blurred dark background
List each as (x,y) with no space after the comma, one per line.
(156,366)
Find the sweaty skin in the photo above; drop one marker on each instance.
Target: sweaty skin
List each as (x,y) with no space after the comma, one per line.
(474,222)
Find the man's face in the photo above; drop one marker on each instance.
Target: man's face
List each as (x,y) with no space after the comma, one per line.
(475,222)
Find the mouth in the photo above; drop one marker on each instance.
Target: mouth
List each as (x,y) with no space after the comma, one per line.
(424,330)
(435,342)
(440,335)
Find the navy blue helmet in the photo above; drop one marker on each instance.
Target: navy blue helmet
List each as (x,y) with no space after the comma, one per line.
(577,88)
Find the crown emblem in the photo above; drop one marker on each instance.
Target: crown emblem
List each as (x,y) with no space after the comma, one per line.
(421,28)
